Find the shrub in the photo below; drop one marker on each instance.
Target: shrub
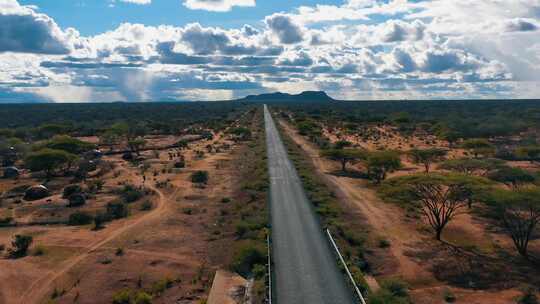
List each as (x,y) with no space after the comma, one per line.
(384,243)
(130,193)
(160,286)
(79,218)
(142,297)
(122,297)
(247,255)
(71,189)
(77,200)
(528,297)
(39,250)
(146,205)
(392,291)
(449,296)
(20,245)
(99,220)
(199,177)
(117,210)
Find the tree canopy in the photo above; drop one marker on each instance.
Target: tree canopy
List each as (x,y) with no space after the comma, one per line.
(426,157)
(49,160)
(471,166)
(512,177)
(380,163)
(344,156)
(479,146)
(518,212)
(68,144)
(439,198)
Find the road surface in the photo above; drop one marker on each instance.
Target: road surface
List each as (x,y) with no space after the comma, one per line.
(305,268)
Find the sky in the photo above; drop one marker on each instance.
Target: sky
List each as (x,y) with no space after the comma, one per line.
(191,50)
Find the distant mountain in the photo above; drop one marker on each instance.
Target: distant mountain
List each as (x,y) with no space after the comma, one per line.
(307,96)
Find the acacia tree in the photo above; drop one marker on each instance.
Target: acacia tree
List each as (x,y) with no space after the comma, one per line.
(427,156)
(512,177)
(381,163)
(49,160)
(439,198)
(470,166)
(135,145)
(344,156)
(518,212)
(479,146)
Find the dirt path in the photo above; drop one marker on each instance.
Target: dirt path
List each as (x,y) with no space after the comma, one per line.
(384,219)
(41,287)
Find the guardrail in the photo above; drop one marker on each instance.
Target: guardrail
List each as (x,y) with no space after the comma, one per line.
(357,290)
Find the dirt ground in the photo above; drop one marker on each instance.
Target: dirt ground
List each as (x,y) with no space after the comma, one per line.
(409,255)
(167,243)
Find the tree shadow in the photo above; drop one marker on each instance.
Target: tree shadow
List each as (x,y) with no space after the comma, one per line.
(349,174)
(469,268)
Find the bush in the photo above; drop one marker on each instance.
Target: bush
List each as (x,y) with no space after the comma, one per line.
(384,243)
(130,193)
(528,297)
(146,205)
(70,190)
(77,200)
(247,255)
(117,210)
(99,220)
(199,177)
(80,218)
(142,297)
(20,245)
(392,291)
(449,296)
(160,286)
(122,297)
(39,250)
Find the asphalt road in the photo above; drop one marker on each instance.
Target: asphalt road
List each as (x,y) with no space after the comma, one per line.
(305,268)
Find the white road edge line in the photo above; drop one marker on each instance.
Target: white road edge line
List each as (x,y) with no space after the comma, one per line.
(269,270)
(345,265)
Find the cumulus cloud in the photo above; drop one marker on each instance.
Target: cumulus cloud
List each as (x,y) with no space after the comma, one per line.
(217,5)
(285,28)
(521,25)
(25,31)
(360,49)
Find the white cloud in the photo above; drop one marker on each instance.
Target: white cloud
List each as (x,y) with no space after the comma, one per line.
(217,5)
(421,49)
(285,28)
(139,2)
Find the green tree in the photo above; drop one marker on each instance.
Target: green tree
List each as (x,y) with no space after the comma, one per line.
(68,144)
(471,166)
(19,246)
(439,198)
(135,145)
(381,163)
(341,144)
(199,177)
(512,177)
(518,213)
(49,160)
(479,146)
(109,138)
(532,153)
(427,156)
(344,156)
